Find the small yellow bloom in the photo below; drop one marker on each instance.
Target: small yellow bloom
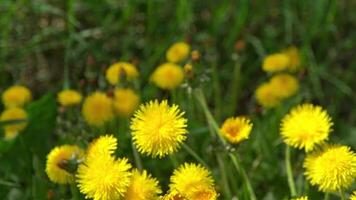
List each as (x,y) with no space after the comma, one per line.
(285,85)
(301,198)
(14,113)
(173,195)
(104,145)
(117,71)
(16,96)
(306,126)
(190,180)
(353,196)
(69,97)
(158,129)
(267,96)
(57,160)
(97,109)
(331,169)
(236,129)
(275,62)
(125,101)
(294,58)
(168,76)
(102,176)
(142,187)
(178,52)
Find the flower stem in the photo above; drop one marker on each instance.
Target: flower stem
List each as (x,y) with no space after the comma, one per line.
(242,171)
(326,196)
(74,191)
(201,100)
(342,195)
(136,157)
(195,155)
(290,173)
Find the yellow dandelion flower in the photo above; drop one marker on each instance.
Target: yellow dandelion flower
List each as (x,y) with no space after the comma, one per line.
(275,62)
(178,52)
(14,113)
(173,195)
(204,194)
(69,97)
(168,76)
(301,198)
(285,85)
(104,145)
(125,102)
(158,129)
(190,179)
(57,160)
(104,178)
(306,126)
(117,71)
(236,129)
(142,187)
(16,96)
(294,58)
(97,109)
(267,96)
(332,169)
(101,176)
(353,196)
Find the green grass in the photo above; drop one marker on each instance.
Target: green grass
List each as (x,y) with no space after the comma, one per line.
(49,45)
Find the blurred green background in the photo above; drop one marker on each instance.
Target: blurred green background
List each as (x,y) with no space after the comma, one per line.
(47,45)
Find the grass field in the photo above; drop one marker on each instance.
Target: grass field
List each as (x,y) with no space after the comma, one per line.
(48,46)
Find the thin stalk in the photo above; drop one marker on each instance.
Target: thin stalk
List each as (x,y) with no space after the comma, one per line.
(137,157)
(74,191)
(326,196)
(242,171)
(174,161)
(342,195)
(290,173)
(225,182)
(201,100)
(195,155)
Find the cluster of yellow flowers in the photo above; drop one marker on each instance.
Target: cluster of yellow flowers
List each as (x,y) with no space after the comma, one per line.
(282,85)
(170,75)
(102,176)
(330,167)
(14,100)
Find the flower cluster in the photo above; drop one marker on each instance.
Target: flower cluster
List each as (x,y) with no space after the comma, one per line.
(282,85)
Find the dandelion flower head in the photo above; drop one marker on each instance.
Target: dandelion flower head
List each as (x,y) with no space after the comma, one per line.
(331,169)
(305,126)
(142,187)
(125,101)
(97,109)
(119,70)
(236,129)
(16,96)
(69,97)
(178,52)
(275,62)
(57,160)
(158,129)
(14,113)
(168,76)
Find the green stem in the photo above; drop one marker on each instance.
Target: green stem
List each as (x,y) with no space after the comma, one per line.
(74,191)
(290,173)
(242,171)
(326,196)
(342,195)
(225,182)
(136,157)
(201,100)
(195,155)
(173,160)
